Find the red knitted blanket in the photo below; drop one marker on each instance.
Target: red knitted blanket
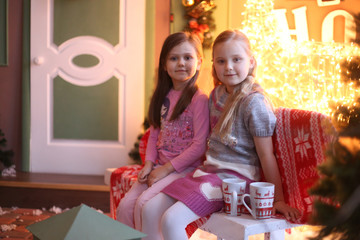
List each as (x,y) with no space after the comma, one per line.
(300,142)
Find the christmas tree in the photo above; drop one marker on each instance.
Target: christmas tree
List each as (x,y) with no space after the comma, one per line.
(5,155)
(337,207)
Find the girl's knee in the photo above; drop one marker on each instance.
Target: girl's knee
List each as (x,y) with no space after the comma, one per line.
(166,221)
(140,202)
(125,211)
(146,210)
(124,205)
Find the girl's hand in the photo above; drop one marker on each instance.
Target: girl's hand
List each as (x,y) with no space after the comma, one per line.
(159,173)
(145,171)
(290,213)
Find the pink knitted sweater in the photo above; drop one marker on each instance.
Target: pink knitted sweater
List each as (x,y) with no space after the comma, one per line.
(182,141)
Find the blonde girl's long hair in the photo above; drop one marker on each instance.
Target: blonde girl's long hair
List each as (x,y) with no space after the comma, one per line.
(227,118)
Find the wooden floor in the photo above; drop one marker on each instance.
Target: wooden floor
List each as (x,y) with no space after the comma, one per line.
(14,221)
(44,190)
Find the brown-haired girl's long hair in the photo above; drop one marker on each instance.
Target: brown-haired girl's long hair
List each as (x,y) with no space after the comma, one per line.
(164,82)
(227,118)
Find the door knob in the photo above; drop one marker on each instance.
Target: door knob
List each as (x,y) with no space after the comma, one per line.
(38,60)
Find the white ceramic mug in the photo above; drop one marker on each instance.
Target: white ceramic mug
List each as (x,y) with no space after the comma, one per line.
(261,199)
(233,189)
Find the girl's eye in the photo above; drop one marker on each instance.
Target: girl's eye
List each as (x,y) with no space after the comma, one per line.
(220,61)
(237,59)
(173,58)
(188,57)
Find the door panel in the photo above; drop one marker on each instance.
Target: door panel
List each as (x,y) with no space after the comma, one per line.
(85,112)
(87,83)
(104,19)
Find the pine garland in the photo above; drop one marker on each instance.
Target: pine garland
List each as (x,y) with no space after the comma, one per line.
(134,153)
(337,194)
(200,20)
(337,207)
(5,155)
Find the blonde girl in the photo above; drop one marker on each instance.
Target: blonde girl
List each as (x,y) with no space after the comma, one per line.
(179,125)
(240,145)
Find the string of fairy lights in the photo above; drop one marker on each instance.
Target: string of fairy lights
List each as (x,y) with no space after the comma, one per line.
(304,75)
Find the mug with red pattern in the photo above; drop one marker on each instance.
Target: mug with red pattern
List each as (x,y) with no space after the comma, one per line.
(261,199)
(233,189)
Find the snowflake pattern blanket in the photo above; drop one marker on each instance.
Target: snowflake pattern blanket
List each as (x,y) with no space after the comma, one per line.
(300,142)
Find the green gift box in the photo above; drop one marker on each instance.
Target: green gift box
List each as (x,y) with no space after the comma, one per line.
(82,223)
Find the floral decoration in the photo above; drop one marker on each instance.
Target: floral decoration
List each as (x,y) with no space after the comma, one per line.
(199,19)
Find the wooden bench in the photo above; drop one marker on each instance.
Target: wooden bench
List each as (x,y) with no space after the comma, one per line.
(45,190)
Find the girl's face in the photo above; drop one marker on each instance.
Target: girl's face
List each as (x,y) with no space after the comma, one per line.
(181,64)
(232,63)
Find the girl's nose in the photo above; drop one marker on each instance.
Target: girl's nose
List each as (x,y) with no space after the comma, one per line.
(228,66)
(181,62)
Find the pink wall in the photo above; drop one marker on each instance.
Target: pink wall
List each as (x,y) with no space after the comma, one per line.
(162,30)
(10,82)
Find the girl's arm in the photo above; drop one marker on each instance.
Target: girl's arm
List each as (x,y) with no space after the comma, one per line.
(151,151)
(197,148)
(151,155)
(264,149)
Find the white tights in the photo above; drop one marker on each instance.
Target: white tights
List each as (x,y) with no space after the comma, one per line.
(166,218)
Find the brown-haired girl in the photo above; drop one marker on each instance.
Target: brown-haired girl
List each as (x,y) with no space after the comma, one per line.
(179,125)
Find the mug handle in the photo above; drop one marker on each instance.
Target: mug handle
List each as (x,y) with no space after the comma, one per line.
(233,210)
(247,207)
